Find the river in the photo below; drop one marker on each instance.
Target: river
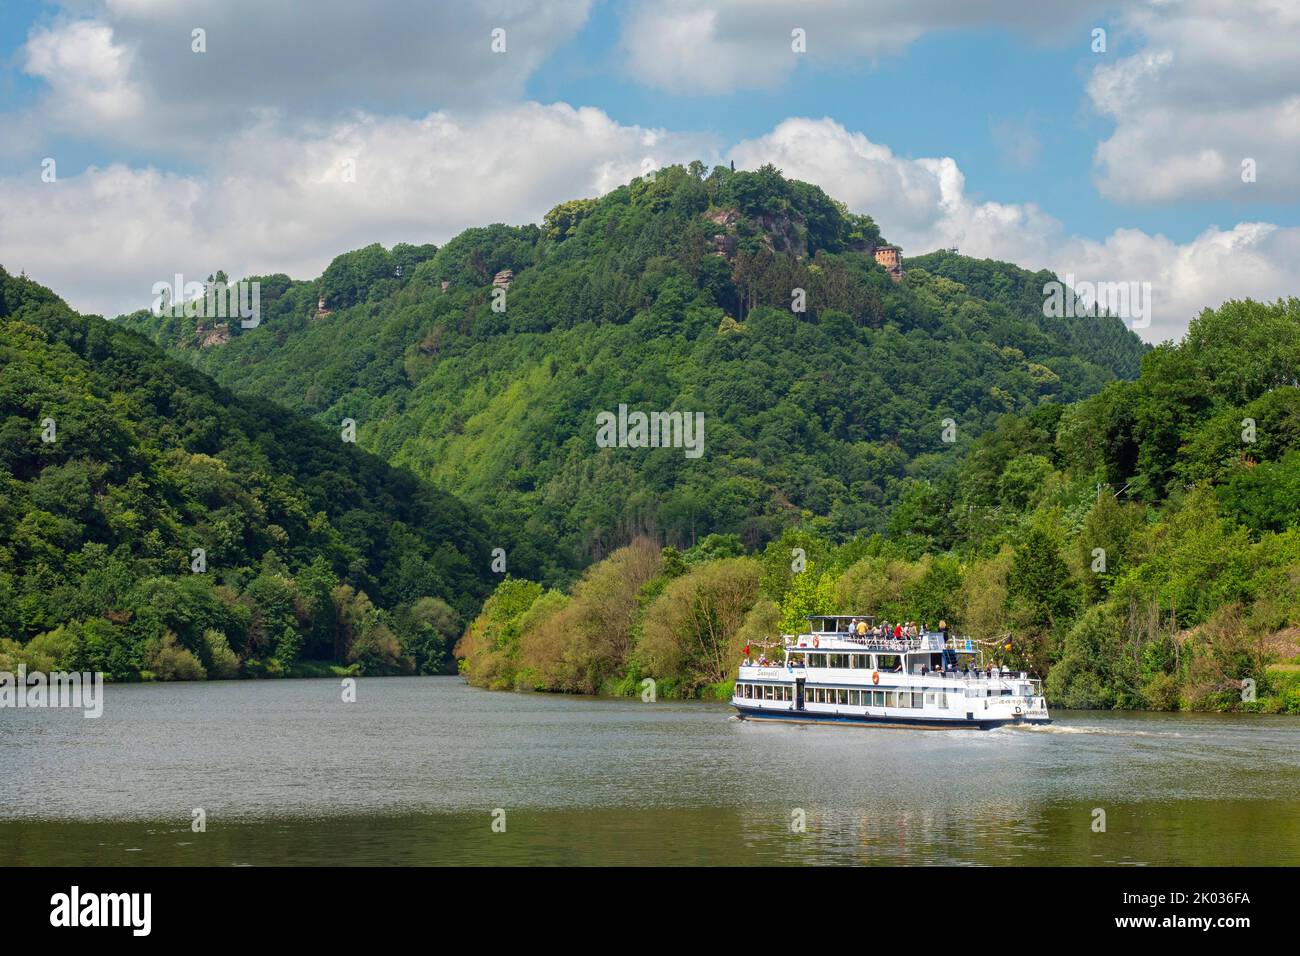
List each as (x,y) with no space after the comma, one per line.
(418,771)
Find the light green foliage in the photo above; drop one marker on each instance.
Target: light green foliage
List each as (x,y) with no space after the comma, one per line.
(221,662)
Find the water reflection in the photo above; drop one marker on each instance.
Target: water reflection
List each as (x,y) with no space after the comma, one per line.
(288,773)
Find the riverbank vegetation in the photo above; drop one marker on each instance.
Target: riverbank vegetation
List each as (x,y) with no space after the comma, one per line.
(1139,549)
(153,525)
(931,447)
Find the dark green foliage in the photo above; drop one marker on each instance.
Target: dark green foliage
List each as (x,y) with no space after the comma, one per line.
(831,415)
(151,460)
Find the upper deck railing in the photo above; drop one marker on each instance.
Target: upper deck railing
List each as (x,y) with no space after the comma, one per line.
(897,645)
(998,677)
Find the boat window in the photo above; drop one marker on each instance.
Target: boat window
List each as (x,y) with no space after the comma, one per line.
(843,695)
(887,662)
(891,699)
(929,700)
(878,698)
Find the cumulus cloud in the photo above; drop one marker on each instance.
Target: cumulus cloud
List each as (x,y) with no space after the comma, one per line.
(919,203)
(922,204)
(88,74)
(266,121)
(1213,83)
(280,202)
(128,73)
(718,46)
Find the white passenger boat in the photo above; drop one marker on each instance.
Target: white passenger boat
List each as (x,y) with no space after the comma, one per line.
(832,675)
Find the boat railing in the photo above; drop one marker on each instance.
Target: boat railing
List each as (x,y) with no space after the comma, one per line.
(811,642)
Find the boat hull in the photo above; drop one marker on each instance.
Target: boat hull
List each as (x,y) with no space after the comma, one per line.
(886,720)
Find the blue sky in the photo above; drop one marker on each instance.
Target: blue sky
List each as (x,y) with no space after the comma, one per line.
(994,126)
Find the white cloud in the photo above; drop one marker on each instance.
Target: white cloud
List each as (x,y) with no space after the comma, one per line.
(278,202)
(919,203)
(128,74)
(88,75)
(718,46)
(1213,83)
(922,205)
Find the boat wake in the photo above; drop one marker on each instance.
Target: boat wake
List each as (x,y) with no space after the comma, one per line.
(1093,730)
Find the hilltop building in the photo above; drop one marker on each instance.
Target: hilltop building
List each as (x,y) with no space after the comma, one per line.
(891,258)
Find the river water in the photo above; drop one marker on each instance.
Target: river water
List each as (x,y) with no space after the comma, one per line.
(418,770)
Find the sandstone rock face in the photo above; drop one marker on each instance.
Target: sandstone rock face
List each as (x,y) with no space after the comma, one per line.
(217,335)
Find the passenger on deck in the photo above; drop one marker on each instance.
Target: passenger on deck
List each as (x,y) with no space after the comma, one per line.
(861,628)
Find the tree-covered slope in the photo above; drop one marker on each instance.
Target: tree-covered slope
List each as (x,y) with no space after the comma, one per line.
(118,462)
(1138,549)
(668,294)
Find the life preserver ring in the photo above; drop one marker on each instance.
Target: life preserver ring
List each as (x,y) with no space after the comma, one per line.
(875,677)
(817,642)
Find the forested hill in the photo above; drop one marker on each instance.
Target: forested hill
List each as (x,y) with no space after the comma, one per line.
(118,462)
(671,293)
